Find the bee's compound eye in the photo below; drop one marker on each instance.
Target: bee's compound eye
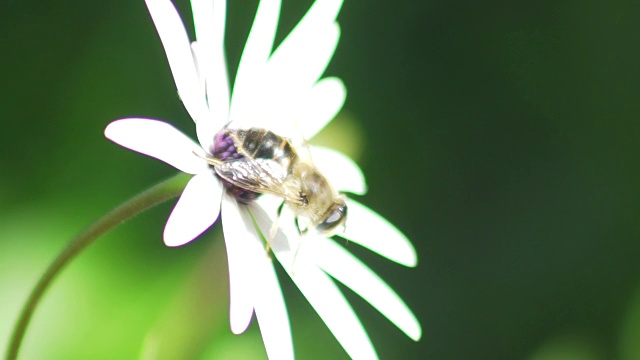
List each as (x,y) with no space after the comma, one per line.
(337,217)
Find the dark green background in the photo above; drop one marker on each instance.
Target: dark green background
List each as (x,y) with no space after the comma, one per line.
(502,137)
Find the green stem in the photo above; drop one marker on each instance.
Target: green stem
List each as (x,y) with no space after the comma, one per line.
(155,195)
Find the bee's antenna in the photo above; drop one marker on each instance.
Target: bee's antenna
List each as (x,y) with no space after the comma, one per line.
(209,160)
(295,255)
(274,228)
(301,234)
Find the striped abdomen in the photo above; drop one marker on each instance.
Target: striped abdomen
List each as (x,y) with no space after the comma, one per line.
(259,143)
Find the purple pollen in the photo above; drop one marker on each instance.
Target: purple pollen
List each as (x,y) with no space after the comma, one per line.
(225,149)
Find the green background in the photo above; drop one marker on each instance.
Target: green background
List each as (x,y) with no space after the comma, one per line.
(502,137)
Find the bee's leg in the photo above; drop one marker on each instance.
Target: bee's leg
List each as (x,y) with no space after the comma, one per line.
(274,228)
(300,233)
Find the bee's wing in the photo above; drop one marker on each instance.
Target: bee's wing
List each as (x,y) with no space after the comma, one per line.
(261,176)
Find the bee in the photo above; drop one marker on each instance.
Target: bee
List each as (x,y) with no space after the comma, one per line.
(257,161)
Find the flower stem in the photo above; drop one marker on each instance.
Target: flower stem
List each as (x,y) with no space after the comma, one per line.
(155,195)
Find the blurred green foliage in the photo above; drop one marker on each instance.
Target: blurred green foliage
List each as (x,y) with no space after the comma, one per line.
(502,137)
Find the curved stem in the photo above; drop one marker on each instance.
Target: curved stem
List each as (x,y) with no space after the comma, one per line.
(155,195)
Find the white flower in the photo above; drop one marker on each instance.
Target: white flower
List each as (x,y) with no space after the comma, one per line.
(272,90)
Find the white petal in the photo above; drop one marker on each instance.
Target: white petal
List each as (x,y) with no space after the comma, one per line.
(367,228)
(270,307)
(197,58)
(325,297)
(269,203)
(323,103)
(321,292)
(293,76)
(304,114)
(250,86)
(159,140)
(206,130)
(282,91)
(209,19)
(176,45)
(305,53)
(196,210)
(272,314)
(253,282)
(350,271)
(341,171)
(239,237)
(309,112)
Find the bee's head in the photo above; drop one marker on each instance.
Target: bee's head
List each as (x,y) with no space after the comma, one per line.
(334,219)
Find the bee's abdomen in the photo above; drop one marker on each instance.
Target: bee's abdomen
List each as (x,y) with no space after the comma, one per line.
(264,144)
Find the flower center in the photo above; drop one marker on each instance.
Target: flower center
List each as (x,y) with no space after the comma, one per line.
(225,149)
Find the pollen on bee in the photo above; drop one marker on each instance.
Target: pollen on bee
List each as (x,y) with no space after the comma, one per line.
(225,149)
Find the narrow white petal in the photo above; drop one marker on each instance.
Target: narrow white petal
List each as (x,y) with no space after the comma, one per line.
(269,203)
(253,282)
(298,72)
(239,238)
(319,106)
(367,228)
(270,307)
(206,130)
(321,292)
(343,173)
(196,210)
(272,314)
(251,86)
(177,47)
(283,92)
(305,113)
(305,53)
(209,17)
(350,271)
(197,59)
(325,297)
(159,140)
